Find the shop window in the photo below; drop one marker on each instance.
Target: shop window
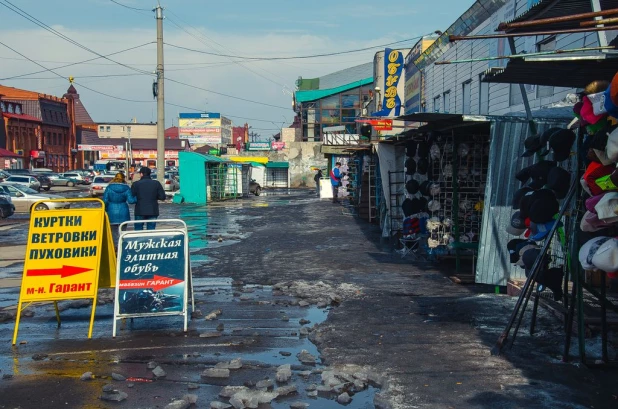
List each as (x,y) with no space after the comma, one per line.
(483,97)
(11,109)
(436,104)
(350,101)
(331,102)
(466,88)
(3,107)
(330,116)
(54,140)
(349,115)
(447,101)
(108,129)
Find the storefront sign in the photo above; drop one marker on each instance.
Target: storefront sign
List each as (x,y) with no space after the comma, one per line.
(378,124)
(67,256)
(100,148)
(153,274)
(277,146)
(258,146)
(393,67)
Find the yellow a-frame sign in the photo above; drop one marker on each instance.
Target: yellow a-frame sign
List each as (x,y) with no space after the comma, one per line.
(70,254)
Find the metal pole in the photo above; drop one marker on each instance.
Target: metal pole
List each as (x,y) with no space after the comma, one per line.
(160,96)
(129,151)
(601,35)
(553,20)
(453,38)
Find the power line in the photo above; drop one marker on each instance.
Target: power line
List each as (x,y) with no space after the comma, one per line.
(39,23)
(222,114)
(128,7)
(85,76)
(213,41)
(133,64)
(58,75)
(226,95)
(75,63)
(294,57)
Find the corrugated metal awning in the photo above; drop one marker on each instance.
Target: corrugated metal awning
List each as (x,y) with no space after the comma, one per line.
(277,165)
(572,71)
(555,9)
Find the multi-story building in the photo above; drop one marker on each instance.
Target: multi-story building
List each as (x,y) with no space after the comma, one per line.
(132,130)
(56,140)
(336,99)
(205,128)
(19,134)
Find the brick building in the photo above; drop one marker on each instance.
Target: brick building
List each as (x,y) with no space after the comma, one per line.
(18,134)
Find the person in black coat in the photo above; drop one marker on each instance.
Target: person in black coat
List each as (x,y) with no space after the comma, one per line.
(147,192)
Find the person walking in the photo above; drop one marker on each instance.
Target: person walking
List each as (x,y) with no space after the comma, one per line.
(317,178)
(335,179)
(147,192)
(117,198)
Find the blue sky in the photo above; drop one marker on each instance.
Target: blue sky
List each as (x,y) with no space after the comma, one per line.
(240,27)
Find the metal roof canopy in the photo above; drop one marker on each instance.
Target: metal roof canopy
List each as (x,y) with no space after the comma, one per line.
(278,165)
(572,71)
(435,121)
(555,9)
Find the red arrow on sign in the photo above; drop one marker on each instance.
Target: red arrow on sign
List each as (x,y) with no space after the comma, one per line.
(157,283)
(64,271)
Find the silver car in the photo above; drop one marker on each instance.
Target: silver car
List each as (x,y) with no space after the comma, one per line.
(25,180)
(24,198)
(97,188)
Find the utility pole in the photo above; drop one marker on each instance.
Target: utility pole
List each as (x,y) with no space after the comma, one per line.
(160,97)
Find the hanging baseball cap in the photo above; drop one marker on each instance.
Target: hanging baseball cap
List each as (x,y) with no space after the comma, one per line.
(594,171)
(611,148)
(410,207)
(514,246)
(532,145)
(588,250)
(410,166)
(598,102)
(559,180)
(424,202)
(422,165)
(606,207)
(543,206)
(552,279)
(606,256)
(545,136)
(424,188)
(517,226)
(539,231)
(560,142)
(412,186)
(410,149)
(590,223)
(519,194)
(529,258)
(434,189)
(587,112)
(433,205)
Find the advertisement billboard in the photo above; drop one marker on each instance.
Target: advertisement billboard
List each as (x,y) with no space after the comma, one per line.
(200,128)
(393,67)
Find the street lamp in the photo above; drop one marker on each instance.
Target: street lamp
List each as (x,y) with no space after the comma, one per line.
(378,102)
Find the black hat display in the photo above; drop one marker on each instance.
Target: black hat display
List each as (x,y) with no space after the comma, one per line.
(424,203)
(519,194)
(410,166)
(410,149)
(517,221)
(545,136)
(533,144)
(513,246)
(543,206)
(559,180)
(422,150)
(422,165)
(412,186)
(560,143)
(424,188)
(537,172)
(411,206)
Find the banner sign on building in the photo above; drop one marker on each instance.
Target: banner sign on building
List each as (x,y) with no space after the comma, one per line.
(200,128)
(100,148)
(277,146)
(378,124)
(153,273)
(393,68)
(258,146)
(412,93)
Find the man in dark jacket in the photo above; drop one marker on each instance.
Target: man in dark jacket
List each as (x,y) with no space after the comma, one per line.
(147,192)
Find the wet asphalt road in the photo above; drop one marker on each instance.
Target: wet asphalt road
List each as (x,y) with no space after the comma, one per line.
(426,339)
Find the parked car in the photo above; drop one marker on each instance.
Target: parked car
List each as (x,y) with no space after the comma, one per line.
(81,179)
(171,183)
(59,180)
(3,175)
(25,180)
(44,181)
(99,183)
(18,171)
(42,170)
(254,187)
(7,208)
(24,198)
